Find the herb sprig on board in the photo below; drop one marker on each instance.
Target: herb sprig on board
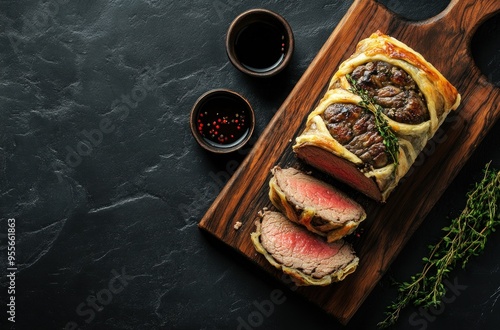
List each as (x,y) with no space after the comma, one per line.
(465,237)
(391,142)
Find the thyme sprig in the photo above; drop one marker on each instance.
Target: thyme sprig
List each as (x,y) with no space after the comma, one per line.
(391,142)
(465,237)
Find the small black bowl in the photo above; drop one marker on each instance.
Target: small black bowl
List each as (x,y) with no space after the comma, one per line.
(222,121)
(260,43)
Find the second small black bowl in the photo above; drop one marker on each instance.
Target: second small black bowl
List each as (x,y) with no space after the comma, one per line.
(222,121)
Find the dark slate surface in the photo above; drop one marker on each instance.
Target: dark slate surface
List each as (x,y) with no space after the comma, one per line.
(106,184)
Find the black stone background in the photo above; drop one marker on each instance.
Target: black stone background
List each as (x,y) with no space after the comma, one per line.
(70,67)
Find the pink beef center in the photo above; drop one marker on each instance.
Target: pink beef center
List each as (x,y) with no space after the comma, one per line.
(340,169)
(322,196)
(304,245)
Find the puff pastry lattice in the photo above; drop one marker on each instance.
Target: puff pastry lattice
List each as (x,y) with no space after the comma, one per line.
(318,146)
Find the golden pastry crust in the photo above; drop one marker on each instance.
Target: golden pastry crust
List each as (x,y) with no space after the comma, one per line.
(440,98)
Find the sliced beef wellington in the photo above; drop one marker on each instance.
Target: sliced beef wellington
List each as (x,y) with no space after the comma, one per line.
(342,136)
(303,255)
(318,206)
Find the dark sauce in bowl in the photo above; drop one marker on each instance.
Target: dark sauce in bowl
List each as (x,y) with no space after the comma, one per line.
(261,46)
(260,43)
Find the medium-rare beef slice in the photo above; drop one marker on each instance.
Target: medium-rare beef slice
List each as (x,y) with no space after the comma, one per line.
(339,168)
(318,206)
(306,257)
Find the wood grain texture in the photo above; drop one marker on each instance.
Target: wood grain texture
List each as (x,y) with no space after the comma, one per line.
(444,41)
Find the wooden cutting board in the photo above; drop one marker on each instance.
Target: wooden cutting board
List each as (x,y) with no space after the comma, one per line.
(444,41)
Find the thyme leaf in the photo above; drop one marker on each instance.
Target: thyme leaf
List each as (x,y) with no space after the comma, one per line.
(390,140)
(465,237)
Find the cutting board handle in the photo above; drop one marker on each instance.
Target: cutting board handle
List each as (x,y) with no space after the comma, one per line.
(447,37)
(465,15)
